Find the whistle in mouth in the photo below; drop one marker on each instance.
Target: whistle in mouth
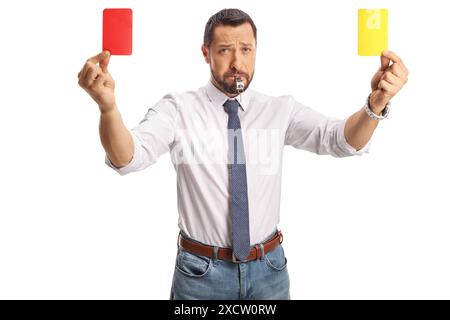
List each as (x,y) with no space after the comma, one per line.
(239,85)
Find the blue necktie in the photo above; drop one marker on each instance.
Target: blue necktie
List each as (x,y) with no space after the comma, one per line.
(239,198)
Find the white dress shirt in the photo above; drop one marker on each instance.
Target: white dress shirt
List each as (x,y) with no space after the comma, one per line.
(193,127)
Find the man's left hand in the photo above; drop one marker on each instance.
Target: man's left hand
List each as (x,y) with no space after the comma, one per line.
(387,81)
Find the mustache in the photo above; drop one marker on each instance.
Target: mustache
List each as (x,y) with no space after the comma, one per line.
(239,74)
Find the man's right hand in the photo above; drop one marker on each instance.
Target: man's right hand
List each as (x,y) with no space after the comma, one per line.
(97,81)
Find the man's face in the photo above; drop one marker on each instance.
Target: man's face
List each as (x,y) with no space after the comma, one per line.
(231,53)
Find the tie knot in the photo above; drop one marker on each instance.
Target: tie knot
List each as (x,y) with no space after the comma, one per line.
(231,106)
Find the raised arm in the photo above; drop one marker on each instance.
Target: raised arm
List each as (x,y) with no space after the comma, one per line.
(386,83)
(96,80)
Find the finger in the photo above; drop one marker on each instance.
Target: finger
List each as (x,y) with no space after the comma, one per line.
(398,70)
(395,58)
(82,72)
(384,63)
(390,78)
(97,58)
(91,75)
(401,69)
(85,68)
(98,82)
(388,88)
(104,63)
(88,65)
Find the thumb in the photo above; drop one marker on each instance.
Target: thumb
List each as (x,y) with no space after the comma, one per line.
(106,55)
(384,62)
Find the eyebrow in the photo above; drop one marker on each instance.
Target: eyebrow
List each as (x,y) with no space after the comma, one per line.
(230,45)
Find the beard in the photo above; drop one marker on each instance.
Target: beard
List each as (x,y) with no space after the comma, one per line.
(231,89)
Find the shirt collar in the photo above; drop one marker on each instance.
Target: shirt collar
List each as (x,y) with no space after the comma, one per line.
(217,97)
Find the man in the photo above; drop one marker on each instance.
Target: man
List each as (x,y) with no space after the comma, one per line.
(226,144)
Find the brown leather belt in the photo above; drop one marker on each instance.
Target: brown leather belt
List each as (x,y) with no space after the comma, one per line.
(227,253)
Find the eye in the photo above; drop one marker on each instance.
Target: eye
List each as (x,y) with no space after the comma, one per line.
(223,50)
(246,49)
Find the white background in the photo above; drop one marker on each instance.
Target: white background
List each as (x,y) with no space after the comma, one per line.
(370,227)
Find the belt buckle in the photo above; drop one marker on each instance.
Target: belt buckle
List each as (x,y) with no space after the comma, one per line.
(236,260)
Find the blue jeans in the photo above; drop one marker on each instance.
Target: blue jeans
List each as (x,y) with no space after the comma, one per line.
(202,278)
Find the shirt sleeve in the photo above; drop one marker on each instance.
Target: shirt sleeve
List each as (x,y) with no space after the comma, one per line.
(310,130)
(152,137)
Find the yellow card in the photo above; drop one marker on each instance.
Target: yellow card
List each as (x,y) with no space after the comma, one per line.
(372,31)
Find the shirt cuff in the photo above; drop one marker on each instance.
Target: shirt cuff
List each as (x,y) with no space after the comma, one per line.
(134,162)
(345,146)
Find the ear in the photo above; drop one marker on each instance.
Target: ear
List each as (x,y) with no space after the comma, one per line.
(205,52)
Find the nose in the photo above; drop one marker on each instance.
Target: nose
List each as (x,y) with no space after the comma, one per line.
(236,63)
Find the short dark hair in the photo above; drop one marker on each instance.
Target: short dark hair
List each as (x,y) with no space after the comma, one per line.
(229,17)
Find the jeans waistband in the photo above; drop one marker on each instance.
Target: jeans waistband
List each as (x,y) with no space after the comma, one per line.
(265,239)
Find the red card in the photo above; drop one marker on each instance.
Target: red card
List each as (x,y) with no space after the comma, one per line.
(117,31)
